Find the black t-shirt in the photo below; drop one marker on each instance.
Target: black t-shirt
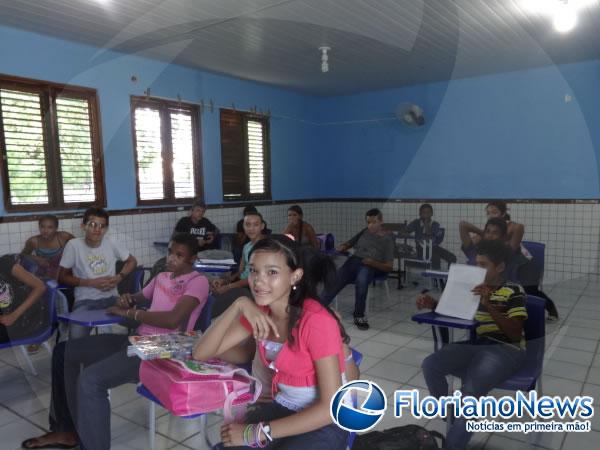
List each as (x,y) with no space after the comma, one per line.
(200,229)
(12,294)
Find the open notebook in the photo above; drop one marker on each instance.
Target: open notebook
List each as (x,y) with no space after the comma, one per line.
(457,299)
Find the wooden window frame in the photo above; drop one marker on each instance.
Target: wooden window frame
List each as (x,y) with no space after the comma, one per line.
(246,196)
(167,157)
(48,93)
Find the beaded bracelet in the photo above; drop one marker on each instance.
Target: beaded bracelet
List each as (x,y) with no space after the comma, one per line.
(251,436)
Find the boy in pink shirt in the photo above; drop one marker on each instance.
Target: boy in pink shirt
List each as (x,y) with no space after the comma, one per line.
(175,299)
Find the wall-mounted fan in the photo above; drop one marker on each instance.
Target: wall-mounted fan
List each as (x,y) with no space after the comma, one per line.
(410,115)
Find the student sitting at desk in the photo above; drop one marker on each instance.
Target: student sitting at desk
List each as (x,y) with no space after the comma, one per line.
(175,299)
(21,313)
(425,228)
(88,264)
(374,254)
(519,268)
(296,334)
(47,247)
(302,231)
(240,236)
(514,230)
(226,290)
(198,225)
(498,351)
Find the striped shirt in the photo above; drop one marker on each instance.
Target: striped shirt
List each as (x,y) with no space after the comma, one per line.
(509,300)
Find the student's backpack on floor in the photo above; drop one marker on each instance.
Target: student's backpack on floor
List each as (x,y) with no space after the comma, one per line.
(407,437)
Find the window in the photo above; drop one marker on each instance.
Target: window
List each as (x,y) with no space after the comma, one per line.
(50,146)
(245,156)
(167,155)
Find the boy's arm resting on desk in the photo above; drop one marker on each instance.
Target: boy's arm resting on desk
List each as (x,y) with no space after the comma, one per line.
(173,319)
(425,301)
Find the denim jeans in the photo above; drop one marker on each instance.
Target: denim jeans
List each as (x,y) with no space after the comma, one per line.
(60,418)
(80,331)
(482,366)
(353,271)
(105,366)
(329,437)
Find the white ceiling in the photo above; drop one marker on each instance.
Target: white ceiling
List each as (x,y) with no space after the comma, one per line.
(375,44)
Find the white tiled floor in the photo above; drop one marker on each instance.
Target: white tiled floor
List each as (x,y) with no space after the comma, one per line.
(393,350)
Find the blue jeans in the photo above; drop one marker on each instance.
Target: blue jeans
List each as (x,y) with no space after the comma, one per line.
(329,437)
(105,366)
(353,271)
(482,366)
(80,331)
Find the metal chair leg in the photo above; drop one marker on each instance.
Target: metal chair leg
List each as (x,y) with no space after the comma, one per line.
(28,360)
(151,425)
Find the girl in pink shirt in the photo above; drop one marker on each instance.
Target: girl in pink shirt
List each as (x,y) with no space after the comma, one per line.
(297,337)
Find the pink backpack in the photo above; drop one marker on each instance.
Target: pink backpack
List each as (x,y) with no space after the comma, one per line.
(193,387)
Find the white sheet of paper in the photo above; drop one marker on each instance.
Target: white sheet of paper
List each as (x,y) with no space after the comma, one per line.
(457,299)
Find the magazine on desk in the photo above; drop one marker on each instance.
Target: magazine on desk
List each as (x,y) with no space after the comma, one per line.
(163,346)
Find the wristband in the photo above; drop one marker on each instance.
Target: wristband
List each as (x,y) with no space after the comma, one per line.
(349,357)
(135,315)
(265,427)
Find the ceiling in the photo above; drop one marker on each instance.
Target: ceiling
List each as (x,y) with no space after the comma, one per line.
(376,44)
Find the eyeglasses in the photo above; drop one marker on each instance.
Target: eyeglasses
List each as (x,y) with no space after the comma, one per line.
(96,226)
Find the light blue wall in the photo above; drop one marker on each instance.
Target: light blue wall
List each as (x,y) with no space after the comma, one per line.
(508,135)
(40,57)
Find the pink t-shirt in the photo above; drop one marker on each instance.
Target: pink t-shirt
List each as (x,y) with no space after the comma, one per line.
(316,336)
(166,291)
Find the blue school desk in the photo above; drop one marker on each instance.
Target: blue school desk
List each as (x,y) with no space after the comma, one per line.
(90,318)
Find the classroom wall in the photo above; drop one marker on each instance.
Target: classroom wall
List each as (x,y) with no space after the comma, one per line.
(509,135)
(40,57)
(570,231)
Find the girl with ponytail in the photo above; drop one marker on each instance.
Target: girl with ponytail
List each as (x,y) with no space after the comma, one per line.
(299,338)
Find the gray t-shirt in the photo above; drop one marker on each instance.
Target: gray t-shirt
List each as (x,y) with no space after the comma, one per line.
(372,245)
(92,262)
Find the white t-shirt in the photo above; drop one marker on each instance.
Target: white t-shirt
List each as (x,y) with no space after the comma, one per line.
(92,262)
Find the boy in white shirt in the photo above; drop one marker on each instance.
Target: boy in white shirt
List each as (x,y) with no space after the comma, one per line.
(88,264)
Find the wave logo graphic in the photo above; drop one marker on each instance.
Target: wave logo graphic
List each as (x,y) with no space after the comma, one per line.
(348,414)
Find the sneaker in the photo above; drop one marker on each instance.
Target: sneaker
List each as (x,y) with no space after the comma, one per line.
(361,323)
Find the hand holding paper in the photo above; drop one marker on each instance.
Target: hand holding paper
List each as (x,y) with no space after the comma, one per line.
(459,299)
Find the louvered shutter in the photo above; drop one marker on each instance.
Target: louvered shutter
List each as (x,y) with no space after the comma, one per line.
(76,149)
(233,155)
(183,153)
(149,151)
(24,142)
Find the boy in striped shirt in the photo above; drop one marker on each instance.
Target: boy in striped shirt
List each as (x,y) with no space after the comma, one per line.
(499,347)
